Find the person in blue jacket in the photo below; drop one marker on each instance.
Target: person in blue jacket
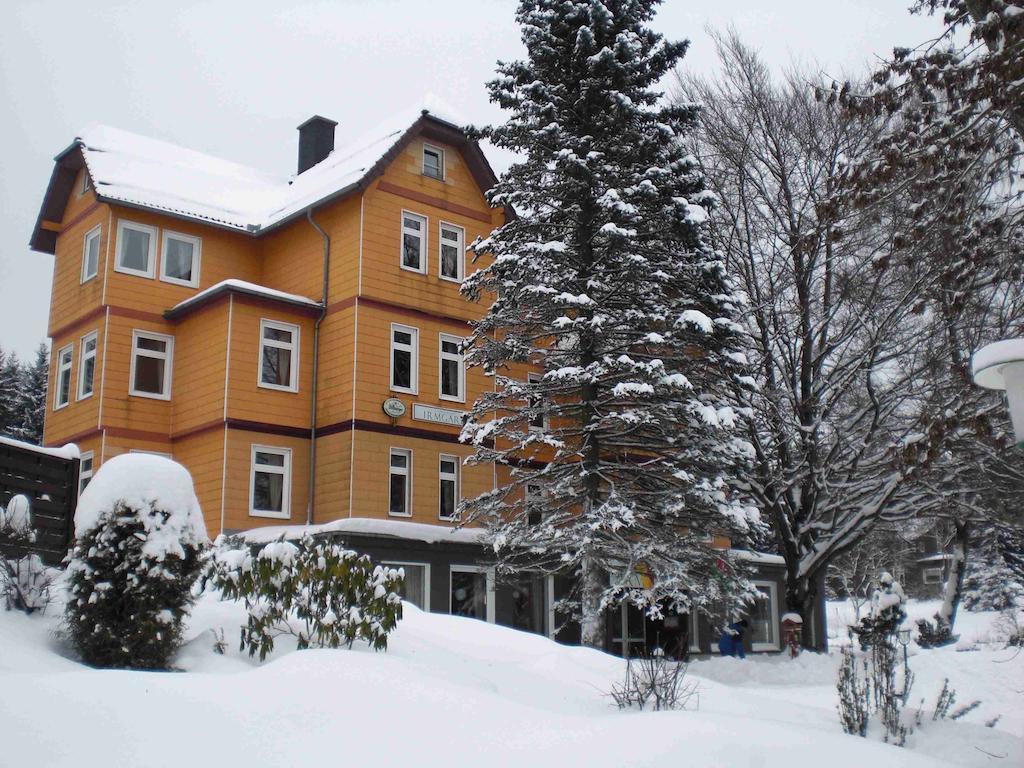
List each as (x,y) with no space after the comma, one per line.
(731,641)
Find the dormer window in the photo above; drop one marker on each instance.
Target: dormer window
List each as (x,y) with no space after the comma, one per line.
(433,162)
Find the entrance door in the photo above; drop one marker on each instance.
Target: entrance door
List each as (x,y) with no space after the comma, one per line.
(472,592)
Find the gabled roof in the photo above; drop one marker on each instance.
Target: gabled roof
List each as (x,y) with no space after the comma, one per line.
(135,171)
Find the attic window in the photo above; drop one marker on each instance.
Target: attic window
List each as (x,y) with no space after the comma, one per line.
(433,162)
(86,184)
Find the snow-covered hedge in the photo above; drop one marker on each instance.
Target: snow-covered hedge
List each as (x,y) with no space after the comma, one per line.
(139,537)
(316,590)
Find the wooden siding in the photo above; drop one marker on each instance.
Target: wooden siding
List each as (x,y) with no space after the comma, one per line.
(195,424)
(371,475)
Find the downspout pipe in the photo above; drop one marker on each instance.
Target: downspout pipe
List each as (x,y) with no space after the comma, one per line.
(316,365)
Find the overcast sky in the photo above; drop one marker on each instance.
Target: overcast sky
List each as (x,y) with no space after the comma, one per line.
(233,79)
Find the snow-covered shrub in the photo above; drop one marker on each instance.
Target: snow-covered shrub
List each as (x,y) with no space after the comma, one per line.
(24,581)
(318,591)
(870,680)
(654,682)
(990,583)
(139,538)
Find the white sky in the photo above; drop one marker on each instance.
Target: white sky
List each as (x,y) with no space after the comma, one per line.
(233,79)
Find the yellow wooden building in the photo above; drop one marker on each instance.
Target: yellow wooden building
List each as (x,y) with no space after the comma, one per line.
(293,341)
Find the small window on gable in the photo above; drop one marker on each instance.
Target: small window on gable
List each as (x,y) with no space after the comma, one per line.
(179,263)
(136,249)
(91,254)
(433,162)
(279,355)
(62,385)
(87,365)
(453,252)
(152,361)
(414,242)
(86,183)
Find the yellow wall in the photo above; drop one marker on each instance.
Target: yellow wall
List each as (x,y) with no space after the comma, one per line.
(220,341)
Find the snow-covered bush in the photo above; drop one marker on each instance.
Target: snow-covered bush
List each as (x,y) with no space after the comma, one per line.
(24,580)
(870,680)
(990,582)
(139,538)
(318,591)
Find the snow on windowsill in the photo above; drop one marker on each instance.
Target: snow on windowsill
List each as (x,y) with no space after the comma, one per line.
(400,529)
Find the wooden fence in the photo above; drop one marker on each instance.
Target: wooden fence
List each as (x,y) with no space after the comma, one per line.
(50,481)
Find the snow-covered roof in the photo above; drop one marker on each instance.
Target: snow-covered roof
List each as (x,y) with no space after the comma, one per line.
(240,286)
(400,529)
(139,171)
(763,558)
(69,451)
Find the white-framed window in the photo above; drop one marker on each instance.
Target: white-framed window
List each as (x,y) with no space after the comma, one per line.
(179,262)
(763,618)
(416,586)
(400,482)
(279,355)
(152,361)
(452,366)
(270,482)
(136,249)
(471,592)
(87,365)
(414,242)
(85,470)
(404,358)
(433,162)
(91,252)
(86,184)
(62,381)
(449,491)
(452,256)
(931,575)
(538,421)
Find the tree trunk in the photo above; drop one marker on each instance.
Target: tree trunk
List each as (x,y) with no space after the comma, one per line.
(592,616)
(801,598)
(954,588)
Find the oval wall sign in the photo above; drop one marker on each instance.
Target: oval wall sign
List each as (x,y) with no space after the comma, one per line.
(394,407)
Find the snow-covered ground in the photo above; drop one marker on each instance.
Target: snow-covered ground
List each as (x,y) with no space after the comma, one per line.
(459,692)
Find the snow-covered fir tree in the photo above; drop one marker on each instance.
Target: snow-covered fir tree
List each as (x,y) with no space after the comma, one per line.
(622,452)
(10,376)
(990,583)
(31,398)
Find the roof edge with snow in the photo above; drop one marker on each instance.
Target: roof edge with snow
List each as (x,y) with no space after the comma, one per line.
(242,288)
(284,202)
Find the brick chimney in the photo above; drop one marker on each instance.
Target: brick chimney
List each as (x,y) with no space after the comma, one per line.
(316,141)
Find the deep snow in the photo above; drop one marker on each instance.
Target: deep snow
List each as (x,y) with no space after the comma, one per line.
(458,692)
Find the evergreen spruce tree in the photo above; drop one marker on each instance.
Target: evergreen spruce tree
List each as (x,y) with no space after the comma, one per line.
(31,399)
(10,385)
(622,455)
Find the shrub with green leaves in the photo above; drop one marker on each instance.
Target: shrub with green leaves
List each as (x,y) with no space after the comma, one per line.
(139,539)
(314,589)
